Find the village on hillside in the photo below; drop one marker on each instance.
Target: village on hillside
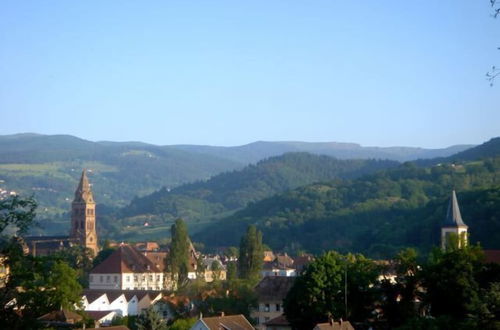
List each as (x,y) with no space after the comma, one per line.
(146,285)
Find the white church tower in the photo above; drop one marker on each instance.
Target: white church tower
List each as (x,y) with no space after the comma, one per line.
(453,225)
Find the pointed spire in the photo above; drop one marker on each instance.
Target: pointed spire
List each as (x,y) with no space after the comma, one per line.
(83,192)
(453,216)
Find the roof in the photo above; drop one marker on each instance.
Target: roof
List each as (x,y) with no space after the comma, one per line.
(126,259)
(274,287)
(158,258)
(278,321)
(230,322)
(453,216)
(61,316)
(283,260)
(116,327)
(97,315)
(492,256)
(83,192)
(342,325)
(301,262)
(112,295)
(147,246)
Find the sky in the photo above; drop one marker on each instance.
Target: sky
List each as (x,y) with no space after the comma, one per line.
(378,73)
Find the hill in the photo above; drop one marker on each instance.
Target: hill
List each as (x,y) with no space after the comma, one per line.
(225,193)
(49,166)
(376,214)
(253,152)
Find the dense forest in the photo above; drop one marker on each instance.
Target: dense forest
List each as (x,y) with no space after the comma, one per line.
(377,214)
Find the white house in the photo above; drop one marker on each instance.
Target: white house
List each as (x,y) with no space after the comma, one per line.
(128,302)
(127,269)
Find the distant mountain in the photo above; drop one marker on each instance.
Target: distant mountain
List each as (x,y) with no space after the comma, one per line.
(233,190)
(487,149)
(253,152)
(376,214)
(49,166)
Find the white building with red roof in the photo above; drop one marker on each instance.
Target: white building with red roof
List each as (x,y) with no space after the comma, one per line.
(127,269)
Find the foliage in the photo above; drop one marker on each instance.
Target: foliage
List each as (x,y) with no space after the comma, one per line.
(376,215)
(149,319)
(178,260)
(17,212)
(80,259)
(321,291)
(250,257)
(182,324)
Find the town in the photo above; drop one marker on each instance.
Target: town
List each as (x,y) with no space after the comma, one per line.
(144,285)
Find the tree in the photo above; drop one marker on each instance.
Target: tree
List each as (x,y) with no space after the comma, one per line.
(320,292)
(450,279)
(179,251)
(251,254)
(150,320)
(17,212)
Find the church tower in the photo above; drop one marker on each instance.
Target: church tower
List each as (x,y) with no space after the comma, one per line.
(453,225)
(83,215)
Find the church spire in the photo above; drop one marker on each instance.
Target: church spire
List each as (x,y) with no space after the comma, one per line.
(453,216)
(83,193)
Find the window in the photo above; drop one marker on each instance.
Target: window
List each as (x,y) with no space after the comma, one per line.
(115,279)
(91,279)
(101,278)
(108,278)
(150,277)
(278,307)
(135,278)
(158,278)
(267,308)
(128,278)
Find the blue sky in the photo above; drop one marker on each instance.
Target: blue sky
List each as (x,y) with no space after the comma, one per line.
(231,72)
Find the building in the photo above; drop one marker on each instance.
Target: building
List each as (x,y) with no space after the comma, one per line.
(278,323)
(332,325)
(230,322)
(123,302)
(83,225)
(281,265)
(127,269)
(271,291)
(453,226)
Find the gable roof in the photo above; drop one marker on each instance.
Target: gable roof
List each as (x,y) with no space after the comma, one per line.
(230,322)
(97,315)
(112,295)
(453,216)
(274,287)
(126,259)
(342,325)
(61,316)
(278,321)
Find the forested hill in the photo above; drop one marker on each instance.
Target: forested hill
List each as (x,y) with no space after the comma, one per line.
(233,190)
(377,214)
(488,149)
(49,167)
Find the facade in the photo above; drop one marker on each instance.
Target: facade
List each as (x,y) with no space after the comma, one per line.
(127,269)
(129,302)
(83,227)
(453,225)
(271,291)
(230,322)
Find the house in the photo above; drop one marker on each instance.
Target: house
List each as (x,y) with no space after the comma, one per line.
(332,325)
(125,302)
(60,318)
(127,269)
(214,269)
(278,323)
(102,317)
(270,291)
(282,265)
(230,322)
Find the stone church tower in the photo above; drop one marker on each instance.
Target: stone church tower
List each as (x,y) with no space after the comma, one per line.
(83,216)
(453,224)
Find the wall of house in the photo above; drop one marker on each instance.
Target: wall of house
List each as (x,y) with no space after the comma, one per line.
(100,304)
(105,281)
(267,310)
(142,281)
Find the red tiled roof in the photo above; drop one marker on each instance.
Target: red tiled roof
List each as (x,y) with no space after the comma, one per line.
(97,315)
(61,315)
(278,321)
(342,325)
(492,256)
(126,259)
(232,322)
(274,287)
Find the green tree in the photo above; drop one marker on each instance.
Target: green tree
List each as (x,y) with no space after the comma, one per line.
(17,213)
(320,292)
(251,254)
(178,259)
(183,324)
(451,281)
(150,320)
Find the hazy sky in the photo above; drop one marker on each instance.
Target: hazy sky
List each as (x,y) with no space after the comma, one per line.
(231,72)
